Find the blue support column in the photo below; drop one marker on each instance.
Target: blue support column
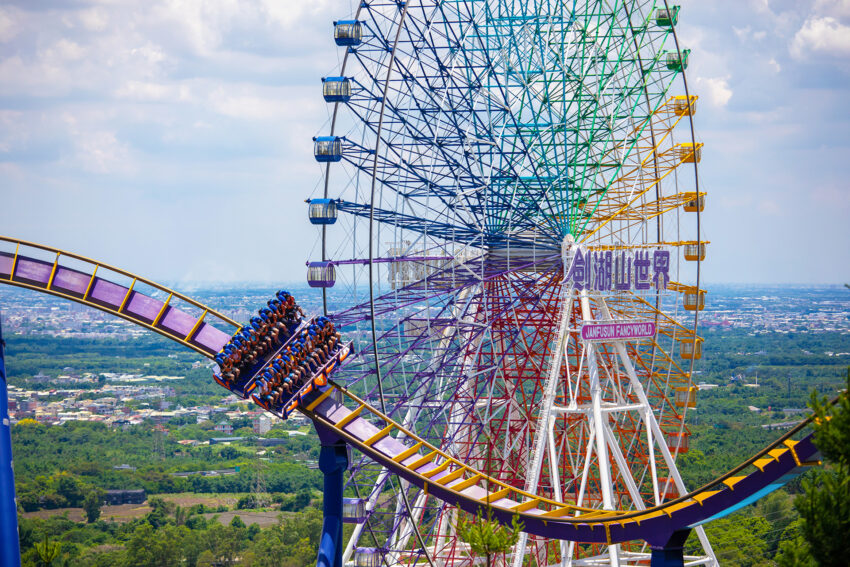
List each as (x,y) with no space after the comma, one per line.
(333,461)
(672,554)
(10,552)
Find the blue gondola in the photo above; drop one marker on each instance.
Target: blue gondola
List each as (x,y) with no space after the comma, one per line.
(348,32)
(321,274)
(336,89)
(327,148)
(322,211)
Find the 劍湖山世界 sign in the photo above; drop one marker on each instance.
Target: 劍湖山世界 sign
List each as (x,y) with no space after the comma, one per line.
(617,331)
(619,270)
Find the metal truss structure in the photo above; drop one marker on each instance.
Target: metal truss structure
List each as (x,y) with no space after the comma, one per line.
(547,148)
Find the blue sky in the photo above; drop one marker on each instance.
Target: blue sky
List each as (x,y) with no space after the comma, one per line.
(172,137)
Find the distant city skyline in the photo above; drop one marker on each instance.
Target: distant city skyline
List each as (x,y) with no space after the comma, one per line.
(172,139)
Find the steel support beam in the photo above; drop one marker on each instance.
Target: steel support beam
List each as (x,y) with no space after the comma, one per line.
(672,554)
(333,461)
(10,551)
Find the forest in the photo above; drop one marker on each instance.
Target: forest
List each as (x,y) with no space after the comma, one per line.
(63,468)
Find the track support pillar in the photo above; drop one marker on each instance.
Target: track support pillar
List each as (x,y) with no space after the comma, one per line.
(333,461)
(10,551)
(672,553)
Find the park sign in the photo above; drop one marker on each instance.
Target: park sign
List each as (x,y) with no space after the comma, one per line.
(617,331)
(619,270)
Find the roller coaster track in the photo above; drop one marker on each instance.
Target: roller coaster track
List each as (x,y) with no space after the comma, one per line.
(86,282)
(340,413)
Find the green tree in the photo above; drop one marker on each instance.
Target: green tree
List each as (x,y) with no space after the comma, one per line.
(794,549)
(48,552)
(160,509)
(155,548)
(92,504)
(67,486)
(302,498)
(824,505)
(180,515)
(225,543)
(778,508)
(739,541)
(294,542)
(486,537)
(237,522)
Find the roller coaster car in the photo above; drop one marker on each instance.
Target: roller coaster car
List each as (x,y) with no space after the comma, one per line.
(284,408)
(243,385)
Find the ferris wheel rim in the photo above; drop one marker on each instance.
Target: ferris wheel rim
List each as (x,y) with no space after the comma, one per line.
(373,222)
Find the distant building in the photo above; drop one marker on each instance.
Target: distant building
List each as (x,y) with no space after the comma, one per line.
(262,425)
(119,497)
(270,441)
(221,440)
(225,428)
(781,425)
(219,472)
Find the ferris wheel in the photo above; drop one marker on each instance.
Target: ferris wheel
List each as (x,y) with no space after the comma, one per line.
(510,231)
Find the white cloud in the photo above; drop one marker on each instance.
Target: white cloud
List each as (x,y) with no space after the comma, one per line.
(171,105)
(252,102)
(62,51)
(834,8)
(9,27)
(746,33)
(769,207)
(716,89)
(94,19)
(145,91)
(101,152)
(832,196)
(742,33)
(824,35)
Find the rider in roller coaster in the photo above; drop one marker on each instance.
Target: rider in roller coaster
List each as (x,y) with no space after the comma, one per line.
(311,350)
(289,370)
(273,326)
(294,365)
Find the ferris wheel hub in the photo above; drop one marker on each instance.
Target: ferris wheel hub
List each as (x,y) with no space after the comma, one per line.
(568,248)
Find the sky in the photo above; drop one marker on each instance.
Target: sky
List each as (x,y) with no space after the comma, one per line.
(172,138)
